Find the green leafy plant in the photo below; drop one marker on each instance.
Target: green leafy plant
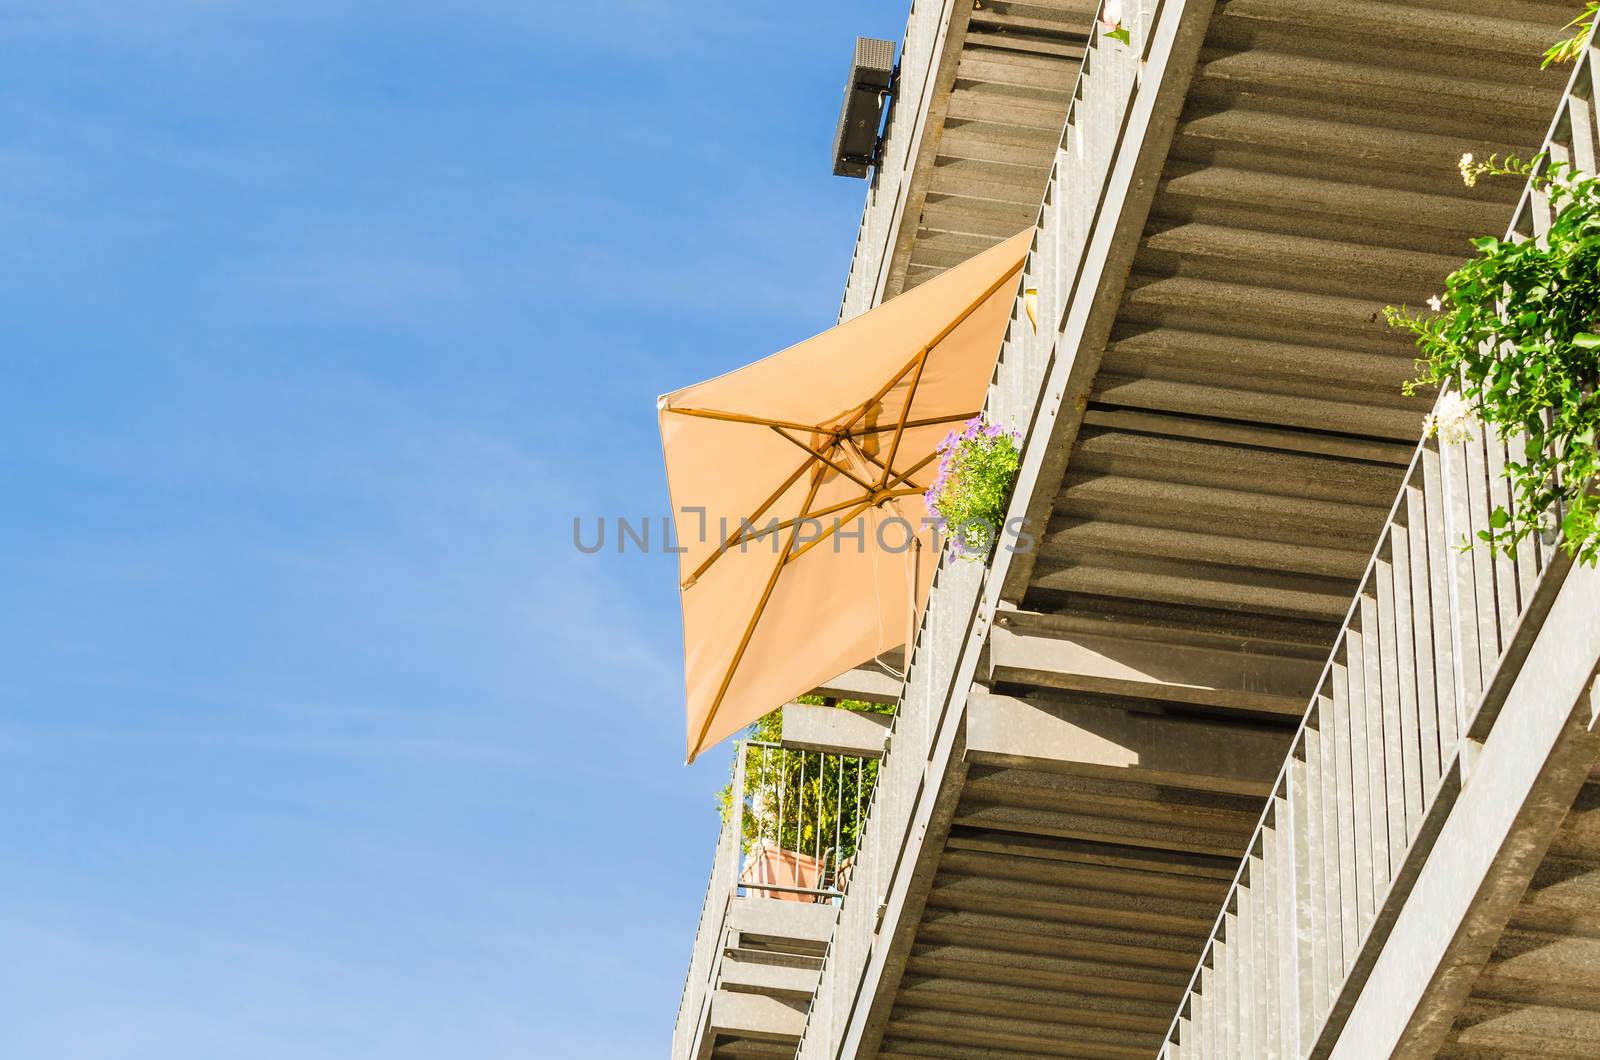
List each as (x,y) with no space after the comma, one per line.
(1119,32)
(977,468)
(830,795)
(1564,51)
(1515,341)
(1111,24)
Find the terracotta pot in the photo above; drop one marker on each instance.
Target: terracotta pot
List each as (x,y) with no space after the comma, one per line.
(782,868)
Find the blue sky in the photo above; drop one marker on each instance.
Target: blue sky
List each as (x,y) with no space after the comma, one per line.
(320,322)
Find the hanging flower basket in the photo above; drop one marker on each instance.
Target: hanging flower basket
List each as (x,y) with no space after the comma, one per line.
(977,469)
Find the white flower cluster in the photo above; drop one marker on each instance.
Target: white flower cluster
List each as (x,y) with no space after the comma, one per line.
(1451,419)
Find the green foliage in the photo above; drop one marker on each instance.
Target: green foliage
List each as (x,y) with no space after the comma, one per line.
(829,800)
(977,468)
(1517,332)
(1564,51)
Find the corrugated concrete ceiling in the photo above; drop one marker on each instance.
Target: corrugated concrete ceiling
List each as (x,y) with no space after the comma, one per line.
(985,164)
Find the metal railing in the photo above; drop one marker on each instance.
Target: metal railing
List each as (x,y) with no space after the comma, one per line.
(789,831)
(1094,142)
(1415,679)
(799,815)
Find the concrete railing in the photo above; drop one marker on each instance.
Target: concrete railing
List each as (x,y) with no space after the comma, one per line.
(1113,83)
(1414,684)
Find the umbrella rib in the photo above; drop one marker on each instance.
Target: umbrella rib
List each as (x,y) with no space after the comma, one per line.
(861,506)
(874,461)
(943,334)
(905,476)
(931,421)
(905,414)
(728,542)
(761,607)
(829,510)
(734,538)
(837,523)
(841,469)
(973,308)
(883,390)
(739,417)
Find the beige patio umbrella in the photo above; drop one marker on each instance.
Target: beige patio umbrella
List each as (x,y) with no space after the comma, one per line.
(797,485)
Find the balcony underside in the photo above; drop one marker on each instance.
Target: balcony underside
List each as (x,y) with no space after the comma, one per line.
(1068,898)
(1012,82)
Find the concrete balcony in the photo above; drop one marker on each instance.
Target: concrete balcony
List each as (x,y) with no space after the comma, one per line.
(1214,438)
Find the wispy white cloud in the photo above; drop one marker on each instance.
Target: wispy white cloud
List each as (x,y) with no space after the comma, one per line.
(435,529)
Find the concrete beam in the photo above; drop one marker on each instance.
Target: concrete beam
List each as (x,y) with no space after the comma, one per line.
(774,918)
(868,683)
(1098,741)
(1052,848)
(756,1016)
(761,973)
(835,731)
(1153,669)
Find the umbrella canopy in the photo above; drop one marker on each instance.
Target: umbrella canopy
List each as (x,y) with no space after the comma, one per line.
(797,487)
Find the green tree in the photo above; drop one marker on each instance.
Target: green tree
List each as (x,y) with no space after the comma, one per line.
(804,801)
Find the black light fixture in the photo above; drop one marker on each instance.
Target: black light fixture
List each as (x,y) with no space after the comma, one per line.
(858,143)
